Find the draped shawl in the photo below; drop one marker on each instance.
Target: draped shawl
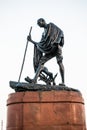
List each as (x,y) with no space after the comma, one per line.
(51,36)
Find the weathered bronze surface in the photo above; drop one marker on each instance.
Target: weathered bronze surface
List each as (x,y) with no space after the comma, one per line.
(49,46)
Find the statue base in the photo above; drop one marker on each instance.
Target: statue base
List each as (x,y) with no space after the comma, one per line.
(45,110)
(23,86)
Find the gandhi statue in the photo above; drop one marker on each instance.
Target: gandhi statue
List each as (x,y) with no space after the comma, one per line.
(49,46)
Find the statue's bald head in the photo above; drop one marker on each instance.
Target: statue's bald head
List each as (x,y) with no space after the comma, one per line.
(41,22)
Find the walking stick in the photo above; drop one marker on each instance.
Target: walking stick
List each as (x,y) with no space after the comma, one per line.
(24,57)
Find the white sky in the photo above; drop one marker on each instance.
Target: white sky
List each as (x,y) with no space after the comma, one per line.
(16,17)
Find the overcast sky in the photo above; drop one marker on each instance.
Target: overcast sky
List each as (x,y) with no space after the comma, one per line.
(16,18)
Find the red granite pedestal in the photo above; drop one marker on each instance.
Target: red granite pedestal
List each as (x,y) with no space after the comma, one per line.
(46,110)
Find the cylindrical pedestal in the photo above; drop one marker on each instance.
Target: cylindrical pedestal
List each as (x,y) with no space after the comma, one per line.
(46,110)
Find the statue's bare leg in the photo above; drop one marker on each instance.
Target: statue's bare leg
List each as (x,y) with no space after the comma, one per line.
(40,67)
(43,60)
(61,68)
(59,58)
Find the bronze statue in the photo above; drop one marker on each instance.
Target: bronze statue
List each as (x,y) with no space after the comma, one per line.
(49,46)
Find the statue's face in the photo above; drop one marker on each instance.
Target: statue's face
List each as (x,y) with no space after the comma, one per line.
(41,23)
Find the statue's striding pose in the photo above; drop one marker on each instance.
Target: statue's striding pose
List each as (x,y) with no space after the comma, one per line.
(49,46)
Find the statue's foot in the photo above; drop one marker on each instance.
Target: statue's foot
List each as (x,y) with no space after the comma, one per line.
(62,84)
(28,79)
